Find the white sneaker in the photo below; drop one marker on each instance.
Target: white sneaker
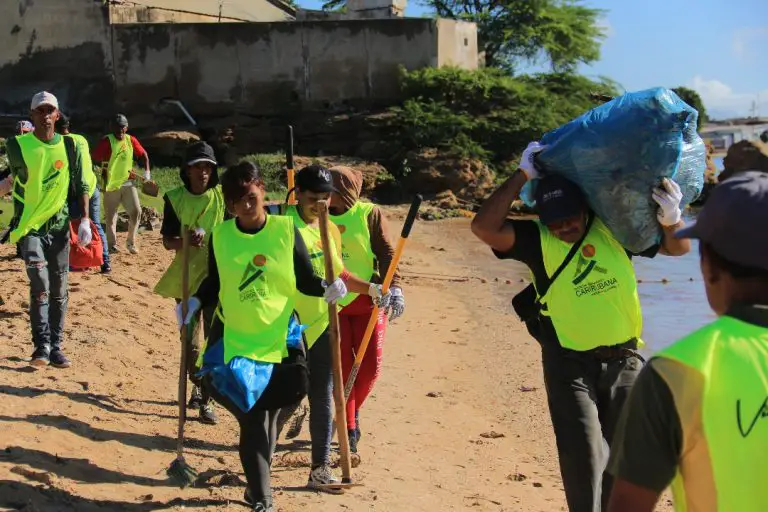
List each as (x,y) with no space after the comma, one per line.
(132,249)
(322,478)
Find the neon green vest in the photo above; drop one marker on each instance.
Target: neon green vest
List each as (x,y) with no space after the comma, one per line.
(313,311)
(120,163)
(204,211)
(732,357)
(594,301)
(89,177)
(45,192)
(258,288)
(356,244)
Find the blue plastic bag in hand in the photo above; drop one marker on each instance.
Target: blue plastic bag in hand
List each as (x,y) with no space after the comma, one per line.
(618,152)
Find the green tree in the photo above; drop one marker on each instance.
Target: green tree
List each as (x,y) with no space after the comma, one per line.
(693,99)
(513,32)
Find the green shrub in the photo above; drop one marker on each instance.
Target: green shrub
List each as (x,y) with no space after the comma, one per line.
(487,114)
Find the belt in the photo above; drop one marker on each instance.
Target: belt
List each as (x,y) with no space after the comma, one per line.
(615,353)
(611,353)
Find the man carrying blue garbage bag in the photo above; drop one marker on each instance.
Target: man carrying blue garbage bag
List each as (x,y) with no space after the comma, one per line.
(583,308)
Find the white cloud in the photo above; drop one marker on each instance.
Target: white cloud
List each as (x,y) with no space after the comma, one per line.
(722,101)
(604,24)
(749,42)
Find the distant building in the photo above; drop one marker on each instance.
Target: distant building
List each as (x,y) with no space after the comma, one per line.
(722,136)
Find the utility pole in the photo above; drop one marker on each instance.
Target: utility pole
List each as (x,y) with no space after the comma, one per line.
(221,7)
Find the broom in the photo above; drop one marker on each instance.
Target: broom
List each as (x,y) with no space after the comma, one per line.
(179,471)
(409,220)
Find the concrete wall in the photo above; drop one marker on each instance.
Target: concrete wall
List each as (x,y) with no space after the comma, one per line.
(57,45)
(268,67)
(122,14)
(457,44)
(249,10)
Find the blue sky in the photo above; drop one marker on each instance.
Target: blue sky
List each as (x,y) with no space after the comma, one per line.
(718,47)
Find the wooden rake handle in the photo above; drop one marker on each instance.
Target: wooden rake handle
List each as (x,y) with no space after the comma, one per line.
(333,336)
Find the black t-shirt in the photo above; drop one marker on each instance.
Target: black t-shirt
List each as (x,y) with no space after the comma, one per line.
(527,249)
(171,223)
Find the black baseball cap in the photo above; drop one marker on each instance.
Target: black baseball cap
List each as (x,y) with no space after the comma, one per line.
(558,198)
(199,151)
(734,220)
(315,178)
(120,120)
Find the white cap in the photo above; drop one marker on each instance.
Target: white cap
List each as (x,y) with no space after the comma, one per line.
(44,98)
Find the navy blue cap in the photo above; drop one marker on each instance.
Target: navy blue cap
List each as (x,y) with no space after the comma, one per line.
(557,199)
(734,220)
(315,178)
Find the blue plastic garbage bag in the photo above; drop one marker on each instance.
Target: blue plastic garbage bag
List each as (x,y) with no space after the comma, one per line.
(243,380)
(618,152)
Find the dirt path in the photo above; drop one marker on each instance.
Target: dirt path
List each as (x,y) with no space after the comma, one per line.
(457,369)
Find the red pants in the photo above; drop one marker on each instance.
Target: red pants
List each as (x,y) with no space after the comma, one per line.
(353,320)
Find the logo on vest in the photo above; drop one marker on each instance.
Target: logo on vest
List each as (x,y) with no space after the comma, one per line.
(585,266)
(762,413)
(50,181)
(342,228)
(253,273)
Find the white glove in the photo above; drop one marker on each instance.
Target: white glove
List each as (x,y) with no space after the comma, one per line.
(335,291)
(396,304)
(147,176)
(526,161)
(668,199)
(381,299)
(193,306)
(84,235)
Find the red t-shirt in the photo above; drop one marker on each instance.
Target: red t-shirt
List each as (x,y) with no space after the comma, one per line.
(103,151)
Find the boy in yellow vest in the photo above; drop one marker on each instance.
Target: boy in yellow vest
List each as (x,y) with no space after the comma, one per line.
(588,321)
(367,253)
(313,185)
(118,150)
(697,417)
(94,201)
(47,171)
(256,264)
(198,204)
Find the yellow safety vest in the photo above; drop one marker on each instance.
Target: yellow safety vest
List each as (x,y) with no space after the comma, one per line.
(594,301)
(356,244)
(89,177)
(45,192)
(313,311)
(194,211)
(120,162)
(258,288)
(731,356)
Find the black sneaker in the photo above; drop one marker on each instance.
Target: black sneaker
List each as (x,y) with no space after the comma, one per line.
(263,505)
(40,357)
(106,268)
(59,360)
(195,399)
(358,435)
(352,434)
(207,414)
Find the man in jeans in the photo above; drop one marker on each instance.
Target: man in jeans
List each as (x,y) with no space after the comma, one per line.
(47,171)
(94,203)
(118,150)
(591,322)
